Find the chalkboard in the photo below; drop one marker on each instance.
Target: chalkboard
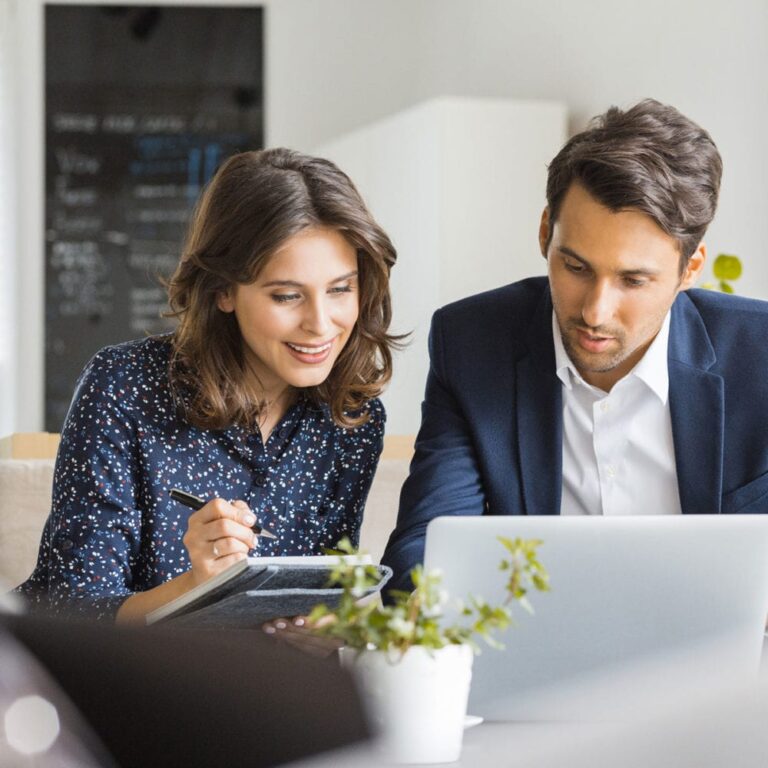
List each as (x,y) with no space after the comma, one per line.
(136,123)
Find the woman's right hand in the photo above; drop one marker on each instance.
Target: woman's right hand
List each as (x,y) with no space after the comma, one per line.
(218,535)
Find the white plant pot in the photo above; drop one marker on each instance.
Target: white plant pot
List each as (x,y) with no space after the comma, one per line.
(418,701)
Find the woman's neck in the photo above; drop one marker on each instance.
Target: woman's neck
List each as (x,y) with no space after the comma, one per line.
(275,406)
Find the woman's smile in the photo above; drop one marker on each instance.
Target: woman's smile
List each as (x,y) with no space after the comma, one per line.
(310,353)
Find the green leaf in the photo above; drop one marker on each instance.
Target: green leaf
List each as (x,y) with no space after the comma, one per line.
(416,618)
(726,287)
(727,267)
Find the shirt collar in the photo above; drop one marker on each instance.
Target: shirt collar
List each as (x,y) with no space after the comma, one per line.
(651,370)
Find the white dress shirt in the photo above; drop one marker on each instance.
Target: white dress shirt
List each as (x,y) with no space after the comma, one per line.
(618,454)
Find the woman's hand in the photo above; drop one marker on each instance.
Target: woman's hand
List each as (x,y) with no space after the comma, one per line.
(218,535)
(298,633)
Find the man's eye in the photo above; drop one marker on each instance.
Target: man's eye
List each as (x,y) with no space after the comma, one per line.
(634,282)
(282,298)
(573,267)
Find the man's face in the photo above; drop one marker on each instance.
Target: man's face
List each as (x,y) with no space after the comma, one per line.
(613,278)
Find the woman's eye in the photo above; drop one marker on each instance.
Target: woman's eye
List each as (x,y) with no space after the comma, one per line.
(282,298)
(341,289)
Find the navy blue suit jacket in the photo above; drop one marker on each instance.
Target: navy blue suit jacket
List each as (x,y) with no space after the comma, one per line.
(491,435)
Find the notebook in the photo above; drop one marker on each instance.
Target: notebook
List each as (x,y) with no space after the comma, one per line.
(625,593)
(259,589)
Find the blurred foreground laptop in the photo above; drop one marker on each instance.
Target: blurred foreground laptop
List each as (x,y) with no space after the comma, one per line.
(689,590)
(163,697)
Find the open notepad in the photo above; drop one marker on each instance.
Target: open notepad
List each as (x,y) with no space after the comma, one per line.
(259,589)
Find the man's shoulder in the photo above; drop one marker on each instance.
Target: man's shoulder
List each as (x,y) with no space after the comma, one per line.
(716,303)
(725,315)
(511,305)
(736,327)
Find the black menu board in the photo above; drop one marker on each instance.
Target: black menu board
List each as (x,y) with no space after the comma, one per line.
(142,105)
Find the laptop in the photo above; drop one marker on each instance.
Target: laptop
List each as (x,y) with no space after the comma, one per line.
(159,696)
(631,599)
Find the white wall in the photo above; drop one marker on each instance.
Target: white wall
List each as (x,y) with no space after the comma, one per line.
(8,266)
(709,60)
(22,244)
(455,182)
(336,65)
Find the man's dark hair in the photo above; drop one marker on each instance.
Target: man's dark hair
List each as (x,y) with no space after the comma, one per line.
(649,158)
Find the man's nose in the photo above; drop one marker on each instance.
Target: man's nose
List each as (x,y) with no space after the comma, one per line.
(599,305)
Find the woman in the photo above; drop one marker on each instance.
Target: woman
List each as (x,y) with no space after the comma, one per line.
(262,402)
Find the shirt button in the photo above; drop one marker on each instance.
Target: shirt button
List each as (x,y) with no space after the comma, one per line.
(260,479)
(66,545)
(283,433)
(605,407)
(609,470)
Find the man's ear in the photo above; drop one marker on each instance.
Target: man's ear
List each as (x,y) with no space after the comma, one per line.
(225,301)
(694,267)
(544,232)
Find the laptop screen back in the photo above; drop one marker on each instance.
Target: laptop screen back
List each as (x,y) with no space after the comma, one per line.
(624,591)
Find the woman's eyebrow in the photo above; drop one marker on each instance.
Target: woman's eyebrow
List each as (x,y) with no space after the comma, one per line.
(349,275)
(296,284)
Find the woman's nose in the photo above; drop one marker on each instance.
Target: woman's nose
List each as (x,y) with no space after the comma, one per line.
(316,318)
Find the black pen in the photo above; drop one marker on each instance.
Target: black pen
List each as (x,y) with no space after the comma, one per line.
(193,502)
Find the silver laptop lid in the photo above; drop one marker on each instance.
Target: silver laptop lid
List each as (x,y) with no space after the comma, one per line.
(625,592)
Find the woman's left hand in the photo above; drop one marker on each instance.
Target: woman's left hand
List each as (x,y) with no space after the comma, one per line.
(298,633)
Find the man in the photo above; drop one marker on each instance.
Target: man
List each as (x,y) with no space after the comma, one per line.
(608,388)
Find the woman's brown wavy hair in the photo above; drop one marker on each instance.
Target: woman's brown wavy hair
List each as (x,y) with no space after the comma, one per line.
(254,203)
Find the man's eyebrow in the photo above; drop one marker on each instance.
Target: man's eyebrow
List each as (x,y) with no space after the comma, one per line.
(296,284)
(642,271)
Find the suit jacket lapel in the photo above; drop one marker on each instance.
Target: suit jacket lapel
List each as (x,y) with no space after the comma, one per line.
(540,417)
(697,406)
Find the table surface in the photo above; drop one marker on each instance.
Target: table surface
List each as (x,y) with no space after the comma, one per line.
(705,733)
(709,741)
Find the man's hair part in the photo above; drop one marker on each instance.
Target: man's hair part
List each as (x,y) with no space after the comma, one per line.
(649,158)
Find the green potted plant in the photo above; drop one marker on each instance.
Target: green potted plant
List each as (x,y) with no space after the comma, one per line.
(725,269)
(413,668)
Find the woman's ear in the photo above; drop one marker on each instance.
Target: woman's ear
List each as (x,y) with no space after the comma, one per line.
(225,301)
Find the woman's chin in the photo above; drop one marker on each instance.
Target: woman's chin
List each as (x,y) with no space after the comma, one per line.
(308,378)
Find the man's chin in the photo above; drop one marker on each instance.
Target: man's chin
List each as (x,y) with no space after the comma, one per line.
(600,363)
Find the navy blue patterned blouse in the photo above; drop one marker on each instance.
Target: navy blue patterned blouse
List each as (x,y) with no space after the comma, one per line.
(113,530)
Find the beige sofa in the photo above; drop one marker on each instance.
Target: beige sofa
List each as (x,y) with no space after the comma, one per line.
(25,496)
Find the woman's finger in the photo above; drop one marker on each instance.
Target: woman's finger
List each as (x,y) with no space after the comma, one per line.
(218,535)
(320,647)
(218,509)
(298,633)
(228,545)
(226,528)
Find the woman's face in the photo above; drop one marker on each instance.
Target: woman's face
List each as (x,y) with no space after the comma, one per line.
(299,313)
